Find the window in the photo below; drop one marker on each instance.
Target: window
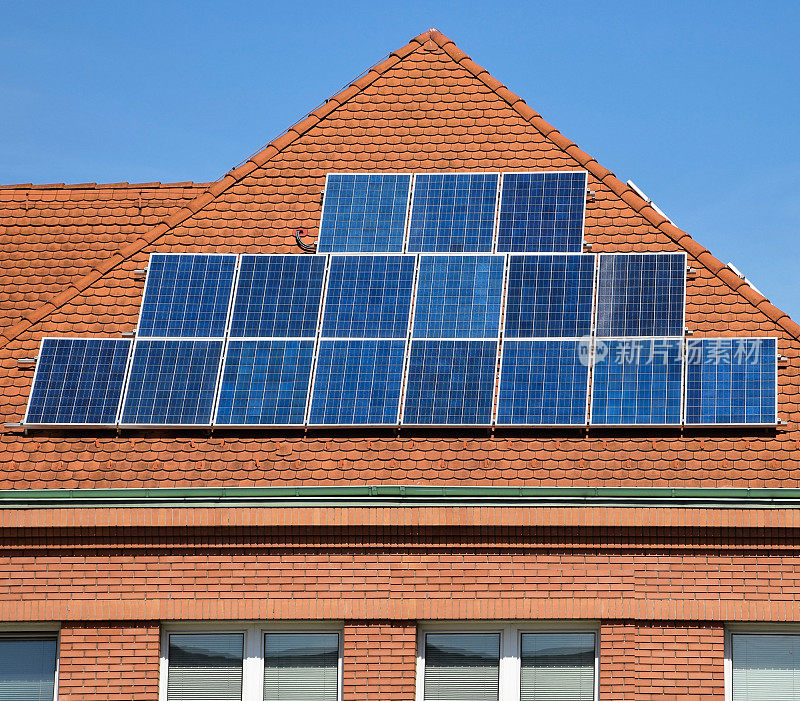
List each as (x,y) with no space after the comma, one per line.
(764,666)
(28,667)
(249,664)
(506,663)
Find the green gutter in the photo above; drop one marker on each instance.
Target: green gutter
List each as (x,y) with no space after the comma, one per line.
(403,495)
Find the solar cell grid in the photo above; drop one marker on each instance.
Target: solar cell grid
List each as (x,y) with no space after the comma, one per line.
(172,382)
(542,212)
(265,382)
(453,212)
(458,296)
(187,295)
(78,381)
(731,381)
(637,381)
(641,294)
(357,382)
(278,296)
(368,296)
(543,383)
(549,296)
(364,212)
(450,382)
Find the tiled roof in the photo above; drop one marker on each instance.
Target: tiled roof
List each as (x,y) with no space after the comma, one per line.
(427,107)
(51,235)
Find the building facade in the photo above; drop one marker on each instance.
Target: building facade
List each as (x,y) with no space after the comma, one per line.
(579,562)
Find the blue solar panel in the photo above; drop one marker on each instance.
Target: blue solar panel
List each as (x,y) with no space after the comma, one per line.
(172,382)
(187,295)
(357,382)
(364,212)
(450,382)
(453,212)
(78,381)
(542,212)
(637,382)
(265,382)
(731,381)
(543,383)
(549,296)
(641,294)
(278,296)
(459,296)
(368,296)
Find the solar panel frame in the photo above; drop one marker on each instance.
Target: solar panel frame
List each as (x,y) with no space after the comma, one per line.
(423,257)
(644,340)
(485,342)
(550,341)
(316,378)
(143,333)
(775,377)
(153,424)
(300,341)
(324,332)
(485,247)
(39,370)
(680,327)
(322,248)
(256,321)
(498,248)
(590,293)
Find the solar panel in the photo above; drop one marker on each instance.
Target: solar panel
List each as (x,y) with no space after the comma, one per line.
(731,381)
(549,296)
(78,381)
(637,381)
(278,296)
(543,383)
(641,294)
(265,382)
(172,382)
(458,296)
(368,296)
(364,212)
(187,295)
(450,382)
(542,212)
(453,212)
(357,382)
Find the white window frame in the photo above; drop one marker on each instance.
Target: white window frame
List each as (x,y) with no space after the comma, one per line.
(10,630)
(751,629)
(511,633)
(253,660)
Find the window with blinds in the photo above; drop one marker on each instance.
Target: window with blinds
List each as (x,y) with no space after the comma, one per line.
(252,663)
(301,666)
(28,667)
(509,663)
(765,667)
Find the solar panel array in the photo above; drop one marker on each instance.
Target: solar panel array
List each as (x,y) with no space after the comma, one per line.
(435,300)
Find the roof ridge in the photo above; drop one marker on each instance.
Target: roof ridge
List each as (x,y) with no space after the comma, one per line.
(626,193)
(428,39)
(97,186)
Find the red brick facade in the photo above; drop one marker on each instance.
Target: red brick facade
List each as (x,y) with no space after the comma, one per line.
(660,582)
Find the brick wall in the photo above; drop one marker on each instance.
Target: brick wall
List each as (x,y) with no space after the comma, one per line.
(109,661)
(379,660)
(665,661)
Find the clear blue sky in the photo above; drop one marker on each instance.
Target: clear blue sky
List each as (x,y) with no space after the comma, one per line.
(697,102)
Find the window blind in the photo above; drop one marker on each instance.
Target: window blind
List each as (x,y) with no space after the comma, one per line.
(462,666)
(205,667)
(765,667)
(557,667)
(301,667)
(27,668)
